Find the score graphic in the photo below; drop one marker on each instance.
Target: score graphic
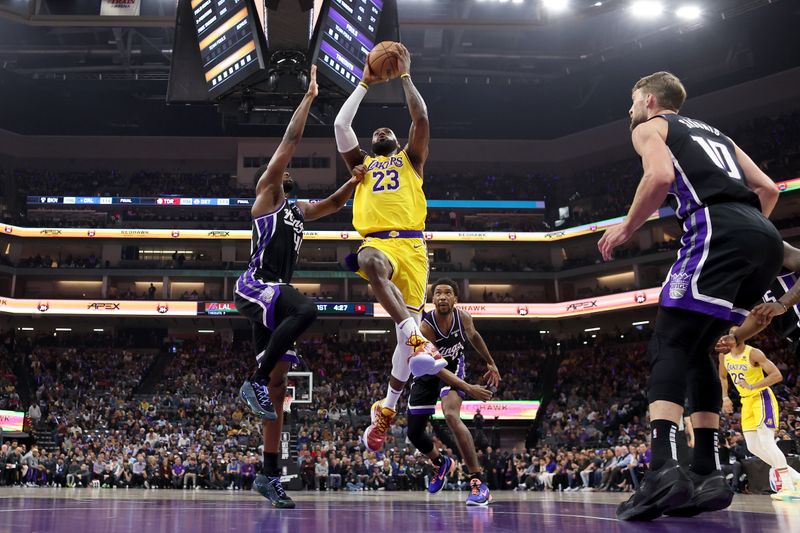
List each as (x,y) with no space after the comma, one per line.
(347,33)
(227,40)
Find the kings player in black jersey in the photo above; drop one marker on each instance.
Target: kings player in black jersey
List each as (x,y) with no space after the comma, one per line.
(780,308)
(451,328)
(729,255)
(278,313)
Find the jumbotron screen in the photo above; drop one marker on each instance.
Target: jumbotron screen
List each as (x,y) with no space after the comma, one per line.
(226,34)
(346,34)
(495,409)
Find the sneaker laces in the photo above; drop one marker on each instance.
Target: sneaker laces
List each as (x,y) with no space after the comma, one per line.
(415,340)
(262,394)
(382,423)
(475,486)
(276,485)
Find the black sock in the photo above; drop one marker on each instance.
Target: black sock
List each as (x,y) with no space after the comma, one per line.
(439,461)
(662,442)
(270,468)
(706,451)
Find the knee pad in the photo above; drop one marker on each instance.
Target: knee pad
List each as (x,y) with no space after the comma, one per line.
(667,372)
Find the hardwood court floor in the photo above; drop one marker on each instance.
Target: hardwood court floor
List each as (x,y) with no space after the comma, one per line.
(147,511)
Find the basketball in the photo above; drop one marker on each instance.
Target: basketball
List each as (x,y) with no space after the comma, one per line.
(383,60)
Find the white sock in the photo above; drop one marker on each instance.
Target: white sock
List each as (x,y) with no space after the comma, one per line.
(406,328)
(391,398)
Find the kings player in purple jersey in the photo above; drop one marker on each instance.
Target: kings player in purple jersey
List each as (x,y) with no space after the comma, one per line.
(729,255)
(278,313)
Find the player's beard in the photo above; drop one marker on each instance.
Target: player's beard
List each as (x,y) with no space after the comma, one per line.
(289,186)
(637,119)
(384,147)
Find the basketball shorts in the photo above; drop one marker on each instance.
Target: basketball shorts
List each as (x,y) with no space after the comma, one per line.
(759,410)
(426,390)
(729,256)
(263,303)
(409,259)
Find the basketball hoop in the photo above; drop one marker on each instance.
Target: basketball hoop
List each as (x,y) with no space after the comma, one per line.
(287,404)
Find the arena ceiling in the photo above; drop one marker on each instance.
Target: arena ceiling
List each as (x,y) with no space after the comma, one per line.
(474,60)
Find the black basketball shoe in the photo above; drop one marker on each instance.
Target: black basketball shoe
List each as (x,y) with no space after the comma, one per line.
(711,493)
(271,489)
(666,488)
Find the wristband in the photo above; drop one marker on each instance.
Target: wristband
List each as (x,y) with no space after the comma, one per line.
(364,85)
(405,75)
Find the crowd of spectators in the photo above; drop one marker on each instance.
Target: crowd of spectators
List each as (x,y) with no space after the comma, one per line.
(190,431)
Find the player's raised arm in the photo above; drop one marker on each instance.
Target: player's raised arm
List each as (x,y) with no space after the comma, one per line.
(334,202)
(346,140)
(758,182)
(420,133)
(271,182)
(492,375)
(649,142)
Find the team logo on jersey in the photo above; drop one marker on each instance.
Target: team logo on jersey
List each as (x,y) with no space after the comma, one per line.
(162,308)
(678,285)
(394,234)
(267,295)
(43,306)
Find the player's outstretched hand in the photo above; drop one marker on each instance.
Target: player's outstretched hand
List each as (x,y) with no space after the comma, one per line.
(403,59)
(727,406)
(764,313)
(479,393)
(369,78)
(492,376)
(613,237)
(313,88)
(725,344)
(359,171)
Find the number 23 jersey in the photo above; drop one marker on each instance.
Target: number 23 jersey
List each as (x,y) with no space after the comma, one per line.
(390,197)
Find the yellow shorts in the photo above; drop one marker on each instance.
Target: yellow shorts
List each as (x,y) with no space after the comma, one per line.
(409,259)
(760,409)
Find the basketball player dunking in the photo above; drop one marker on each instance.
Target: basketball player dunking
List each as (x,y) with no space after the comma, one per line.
(278,313)
(389,211)
(753,374)
(729,255)
(450,328)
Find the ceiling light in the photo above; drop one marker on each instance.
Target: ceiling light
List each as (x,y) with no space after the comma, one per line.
(587,330)
(689,12)
(63,329)
(556,6)
(646,9)
(640,323)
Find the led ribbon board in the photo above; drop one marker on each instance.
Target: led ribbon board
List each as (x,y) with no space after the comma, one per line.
(502,410)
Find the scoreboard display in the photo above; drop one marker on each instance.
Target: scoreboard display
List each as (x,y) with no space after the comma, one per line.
(346,32)
(343,309)
(227,34)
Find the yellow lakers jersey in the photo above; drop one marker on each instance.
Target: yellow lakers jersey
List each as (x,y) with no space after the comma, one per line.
(390,197)
(741,371)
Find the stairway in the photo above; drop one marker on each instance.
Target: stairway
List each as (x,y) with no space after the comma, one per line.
(153,375)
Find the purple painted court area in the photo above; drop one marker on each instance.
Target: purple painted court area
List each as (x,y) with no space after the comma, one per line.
(93,511)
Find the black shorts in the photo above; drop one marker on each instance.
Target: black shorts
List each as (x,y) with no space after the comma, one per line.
(729,256)
(426,390)
(264,304)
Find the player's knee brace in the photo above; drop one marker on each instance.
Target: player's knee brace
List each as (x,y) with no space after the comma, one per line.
(667,373)
(417,435)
